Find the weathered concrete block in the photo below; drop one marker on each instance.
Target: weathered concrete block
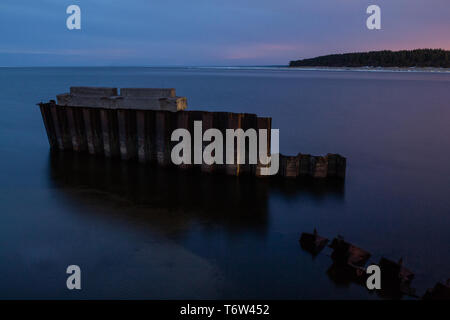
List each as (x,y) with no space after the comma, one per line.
(173,104)
(146,103)
(87,101)
(289,166)
(118,102)
(63,99)
(130,98)
(320,167)
(336,165)
(93,91)
(148,92)
(304,162)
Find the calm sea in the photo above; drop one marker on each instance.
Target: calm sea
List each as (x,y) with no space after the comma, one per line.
(137,232)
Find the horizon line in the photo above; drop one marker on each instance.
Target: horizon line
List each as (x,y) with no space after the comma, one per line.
(153,66)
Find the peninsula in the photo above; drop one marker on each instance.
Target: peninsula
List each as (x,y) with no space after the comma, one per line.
(420,58)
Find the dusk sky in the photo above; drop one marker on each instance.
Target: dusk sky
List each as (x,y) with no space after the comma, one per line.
(211,32)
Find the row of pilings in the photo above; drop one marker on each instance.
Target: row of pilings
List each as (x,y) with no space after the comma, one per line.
(145,135)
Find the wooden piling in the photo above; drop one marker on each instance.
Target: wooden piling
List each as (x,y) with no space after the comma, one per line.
(207,123)
(48,123)
(117,130)
(142,146)
(183,122)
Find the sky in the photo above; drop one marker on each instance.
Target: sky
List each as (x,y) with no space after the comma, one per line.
(211,32)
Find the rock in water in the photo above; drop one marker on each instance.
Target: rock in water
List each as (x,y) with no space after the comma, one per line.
(312,242)
(441,291)
(395,278)
(347,253)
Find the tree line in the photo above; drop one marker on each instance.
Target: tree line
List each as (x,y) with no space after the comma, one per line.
(437,58)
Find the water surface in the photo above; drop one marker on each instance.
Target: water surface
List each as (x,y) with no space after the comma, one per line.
(137,232)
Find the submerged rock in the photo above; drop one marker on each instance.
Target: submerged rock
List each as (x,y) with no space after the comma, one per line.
(347,253)
(348,262)
(312,242)
(395,278)
(344,273)
(441,291)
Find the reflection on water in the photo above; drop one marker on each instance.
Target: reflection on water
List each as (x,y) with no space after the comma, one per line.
(163,196)
(213,233)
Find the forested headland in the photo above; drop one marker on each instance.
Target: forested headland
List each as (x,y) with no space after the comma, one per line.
(424,58)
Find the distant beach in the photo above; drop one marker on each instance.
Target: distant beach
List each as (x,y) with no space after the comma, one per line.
(375,69)
(355,69)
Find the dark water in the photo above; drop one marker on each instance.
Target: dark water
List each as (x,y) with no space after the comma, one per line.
(137,232)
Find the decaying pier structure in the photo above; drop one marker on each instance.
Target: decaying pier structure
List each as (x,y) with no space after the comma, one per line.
(137,123)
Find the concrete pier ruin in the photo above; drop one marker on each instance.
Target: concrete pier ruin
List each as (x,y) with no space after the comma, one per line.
(137,123)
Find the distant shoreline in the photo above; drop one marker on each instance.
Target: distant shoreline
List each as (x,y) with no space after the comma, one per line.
(375,69)
(256,68)
(428,59)
(322,68)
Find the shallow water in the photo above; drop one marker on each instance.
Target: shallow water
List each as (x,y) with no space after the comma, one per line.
(138,232)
